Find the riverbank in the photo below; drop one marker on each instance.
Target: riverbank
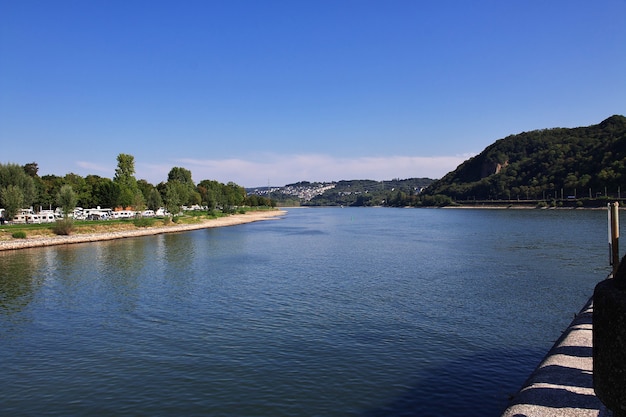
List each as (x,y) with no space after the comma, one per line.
(520,207)
(562,384)
(233,220)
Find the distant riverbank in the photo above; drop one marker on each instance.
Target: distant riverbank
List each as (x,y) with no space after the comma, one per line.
(580,203)
(233,220)
(519,207)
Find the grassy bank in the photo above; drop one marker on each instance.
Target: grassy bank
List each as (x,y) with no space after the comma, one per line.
(21,231)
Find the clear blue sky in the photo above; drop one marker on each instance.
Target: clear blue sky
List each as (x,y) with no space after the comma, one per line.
(262,91)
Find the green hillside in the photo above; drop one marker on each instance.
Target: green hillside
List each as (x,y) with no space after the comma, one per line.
(364,193)
(360,193)
(549,164)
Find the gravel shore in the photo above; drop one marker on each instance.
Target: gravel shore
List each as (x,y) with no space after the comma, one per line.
(233,220)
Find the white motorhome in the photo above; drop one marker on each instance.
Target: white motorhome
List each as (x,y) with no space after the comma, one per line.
(97,213)
(148,213)
(194,207)
(162,212)
(26,216)
(76,214)
(47,216)
(123,214)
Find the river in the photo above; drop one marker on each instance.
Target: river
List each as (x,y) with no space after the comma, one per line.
(325,312)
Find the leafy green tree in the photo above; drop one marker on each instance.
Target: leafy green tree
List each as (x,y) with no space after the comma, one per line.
(210,193)
(83,191)
(12,199)
(175,194)
(233,195)
(139,203)
(13,174)
(91,183)
(154,200)
(106,193)
(145,187)
(363,200)
(125,171)
(126,197)
(151,195)
(31,169)
(130,194)
(49,187)
(186,189)
(253,200)
(67,199)
(180,174)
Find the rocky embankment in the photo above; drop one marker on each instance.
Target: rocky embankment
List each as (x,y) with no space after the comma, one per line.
(233,220)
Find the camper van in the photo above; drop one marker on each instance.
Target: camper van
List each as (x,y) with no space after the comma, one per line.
(47,216)
(97,213)
(161,212)
(26,216)
(123,214)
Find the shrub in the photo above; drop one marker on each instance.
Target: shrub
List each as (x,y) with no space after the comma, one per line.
(63,227)
(143,222)
(19,235)
(195,213)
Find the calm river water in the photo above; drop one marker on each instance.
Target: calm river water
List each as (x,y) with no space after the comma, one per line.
(326,312)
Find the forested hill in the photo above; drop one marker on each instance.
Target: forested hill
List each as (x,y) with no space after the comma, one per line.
(395,192)
(559,163)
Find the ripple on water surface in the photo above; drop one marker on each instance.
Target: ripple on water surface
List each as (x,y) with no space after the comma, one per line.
(327,312)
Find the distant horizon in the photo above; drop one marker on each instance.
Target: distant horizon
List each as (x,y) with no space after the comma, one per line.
(444,164)
(247,187)
(281,91)
(373,169)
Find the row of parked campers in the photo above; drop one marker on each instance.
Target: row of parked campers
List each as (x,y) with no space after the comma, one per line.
(50,216)
(28,216)
(106,214)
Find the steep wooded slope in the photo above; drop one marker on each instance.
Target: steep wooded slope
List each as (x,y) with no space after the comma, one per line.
(544,163)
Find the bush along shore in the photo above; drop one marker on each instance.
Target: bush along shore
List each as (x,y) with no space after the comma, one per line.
(14,237)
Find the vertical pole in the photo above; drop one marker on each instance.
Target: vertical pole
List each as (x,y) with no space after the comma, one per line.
(609,233)
(614,235)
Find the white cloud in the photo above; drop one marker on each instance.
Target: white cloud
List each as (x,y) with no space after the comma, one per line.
(94,168)
(280,169)
(284,169)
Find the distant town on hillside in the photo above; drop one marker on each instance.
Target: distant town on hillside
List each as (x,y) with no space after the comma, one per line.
(555,167)
(396,192)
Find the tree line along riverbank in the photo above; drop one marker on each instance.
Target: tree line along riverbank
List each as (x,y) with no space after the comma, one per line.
(92,231)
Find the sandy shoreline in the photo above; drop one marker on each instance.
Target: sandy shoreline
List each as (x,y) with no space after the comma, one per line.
(233,220)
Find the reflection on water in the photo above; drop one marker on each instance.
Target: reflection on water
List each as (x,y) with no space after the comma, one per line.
(328,312)
(19,279)
(120,265)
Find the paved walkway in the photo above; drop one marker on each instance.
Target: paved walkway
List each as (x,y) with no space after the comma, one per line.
(562,385)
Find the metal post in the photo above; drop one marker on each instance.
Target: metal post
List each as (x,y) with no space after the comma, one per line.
(609,329)
(614,235)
